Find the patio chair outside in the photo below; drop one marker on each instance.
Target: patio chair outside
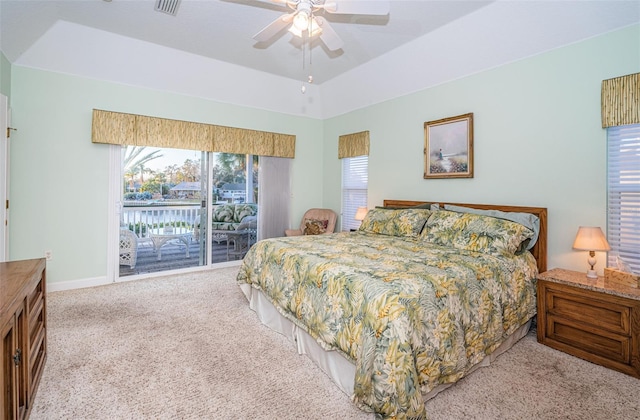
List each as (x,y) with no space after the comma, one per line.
(128,248)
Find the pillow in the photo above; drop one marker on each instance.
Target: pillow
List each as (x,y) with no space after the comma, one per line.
(315,226)
(475,232)
(249,222)
(242,211)
(223,213)
(400,222)
(527,219)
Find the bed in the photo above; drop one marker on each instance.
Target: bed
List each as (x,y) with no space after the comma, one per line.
(419,297)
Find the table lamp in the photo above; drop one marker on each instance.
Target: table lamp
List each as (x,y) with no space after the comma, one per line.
(591,239)
(361,213)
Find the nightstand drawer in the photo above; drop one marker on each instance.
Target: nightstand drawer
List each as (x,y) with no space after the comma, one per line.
(589,319)
(584,337)
(588,309)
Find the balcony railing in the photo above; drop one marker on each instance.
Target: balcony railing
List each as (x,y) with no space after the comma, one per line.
(140,219)
(147,219)
(143,218)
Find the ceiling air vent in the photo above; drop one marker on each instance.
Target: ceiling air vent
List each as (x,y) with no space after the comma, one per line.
(169,7)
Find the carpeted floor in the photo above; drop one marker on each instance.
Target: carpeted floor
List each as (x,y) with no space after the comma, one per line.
(189,347)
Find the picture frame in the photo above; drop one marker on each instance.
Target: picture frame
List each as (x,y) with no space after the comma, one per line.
(448,147)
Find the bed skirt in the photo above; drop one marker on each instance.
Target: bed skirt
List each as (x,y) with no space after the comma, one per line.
(340,369)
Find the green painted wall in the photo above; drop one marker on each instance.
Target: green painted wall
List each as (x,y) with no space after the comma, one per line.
(5,75)
(59,179)
(537,134)
(538,141)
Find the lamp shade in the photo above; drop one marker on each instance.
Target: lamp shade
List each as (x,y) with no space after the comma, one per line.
(361,213)
(590,239)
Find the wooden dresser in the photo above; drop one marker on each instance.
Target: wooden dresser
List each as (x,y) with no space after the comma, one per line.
(590,318)
(23,324)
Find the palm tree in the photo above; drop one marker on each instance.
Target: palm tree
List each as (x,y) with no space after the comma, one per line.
(231,162)
(235,165)
(131,175)
(134,159)
(143,170)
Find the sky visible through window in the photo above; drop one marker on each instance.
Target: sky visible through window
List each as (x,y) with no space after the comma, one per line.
(171,157)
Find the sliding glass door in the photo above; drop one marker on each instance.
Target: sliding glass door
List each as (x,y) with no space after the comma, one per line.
(164,210)
(183,209)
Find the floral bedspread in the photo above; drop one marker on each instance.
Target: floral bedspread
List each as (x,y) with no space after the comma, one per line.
(410,314)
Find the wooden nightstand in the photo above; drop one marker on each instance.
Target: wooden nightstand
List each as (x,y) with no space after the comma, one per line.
(590,318)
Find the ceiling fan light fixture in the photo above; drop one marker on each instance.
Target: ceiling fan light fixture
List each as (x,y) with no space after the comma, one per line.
(315,29)
(330,6)
(301,21)
(295,31)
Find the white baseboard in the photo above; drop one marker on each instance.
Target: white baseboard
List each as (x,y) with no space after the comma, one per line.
(101,281)
(77,284)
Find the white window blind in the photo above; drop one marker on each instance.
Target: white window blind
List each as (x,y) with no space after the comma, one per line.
(623,210)
(355,177)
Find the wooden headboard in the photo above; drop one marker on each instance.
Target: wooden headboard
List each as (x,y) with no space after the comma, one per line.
(539,250)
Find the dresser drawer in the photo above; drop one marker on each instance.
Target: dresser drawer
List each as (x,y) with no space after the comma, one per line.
(37,357)
(36,297)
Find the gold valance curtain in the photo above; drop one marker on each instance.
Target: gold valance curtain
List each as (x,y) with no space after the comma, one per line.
(139,130)
(621,101)
(352,145)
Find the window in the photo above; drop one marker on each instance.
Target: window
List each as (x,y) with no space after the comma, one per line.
(355,175)
(623,195)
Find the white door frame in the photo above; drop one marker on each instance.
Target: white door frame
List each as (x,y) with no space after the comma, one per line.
(113,213)
(4,178)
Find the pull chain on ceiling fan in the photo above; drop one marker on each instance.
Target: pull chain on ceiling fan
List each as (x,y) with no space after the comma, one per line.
(310,76)
(304,26)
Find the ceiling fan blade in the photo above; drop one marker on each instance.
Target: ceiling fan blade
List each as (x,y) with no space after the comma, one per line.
(274,27)
(355,7)
(328,35)
(280,2)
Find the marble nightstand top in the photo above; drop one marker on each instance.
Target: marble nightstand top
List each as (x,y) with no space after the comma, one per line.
(578,279)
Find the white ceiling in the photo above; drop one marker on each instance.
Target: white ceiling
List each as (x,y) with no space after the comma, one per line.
(129,42)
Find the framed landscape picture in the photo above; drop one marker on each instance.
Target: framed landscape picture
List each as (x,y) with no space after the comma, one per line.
(448,147)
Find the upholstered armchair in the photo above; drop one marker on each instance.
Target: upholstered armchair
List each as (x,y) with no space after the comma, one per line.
(315,222)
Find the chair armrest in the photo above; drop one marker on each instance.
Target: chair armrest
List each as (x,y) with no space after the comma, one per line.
(293,232)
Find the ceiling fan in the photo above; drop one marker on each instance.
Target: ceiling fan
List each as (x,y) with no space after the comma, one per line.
(304,19)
